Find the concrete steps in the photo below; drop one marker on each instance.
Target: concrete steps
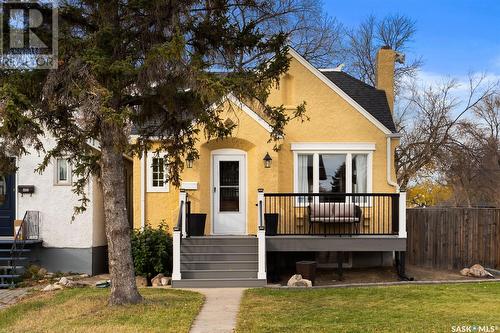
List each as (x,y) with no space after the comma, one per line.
(191,249)
(219,265)
(208,262)
(220,240)
(218,256)
(12,264)
(219,274)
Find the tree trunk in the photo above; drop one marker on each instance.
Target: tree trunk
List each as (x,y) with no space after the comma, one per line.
(121,266)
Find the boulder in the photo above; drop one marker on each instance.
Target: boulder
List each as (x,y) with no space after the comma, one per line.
(298,281)
(141,282)
(68,283)
(52,287)
(479,271)
(42,272)
(63,281)
(156,281)
(165,281)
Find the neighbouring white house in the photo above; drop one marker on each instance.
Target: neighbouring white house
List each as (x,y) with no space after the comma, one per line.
(58,242)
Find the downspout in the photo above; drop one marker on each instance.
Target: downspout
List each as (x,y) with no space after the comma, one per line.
(16,192)
(389,163)
(399,257)
(143,189)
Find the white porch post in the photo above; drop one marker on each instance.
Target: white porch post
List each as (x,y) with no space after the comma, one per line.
(261,236)
(183,198)
(176,262)
(402,215)
(260,205)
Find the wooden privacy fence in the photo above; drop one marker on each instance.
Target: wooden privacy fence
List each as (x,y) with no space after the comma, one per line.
(453,238)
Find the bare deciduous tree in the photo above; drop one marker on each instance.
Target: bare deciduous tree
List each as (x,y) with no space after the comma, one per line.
(435,114)
(363,42)
(471,165)
(318,37)
(313,33)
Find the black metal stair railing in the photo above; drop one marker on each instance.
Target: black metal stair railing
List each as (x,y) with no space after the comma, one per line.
(28,230)
(184,207)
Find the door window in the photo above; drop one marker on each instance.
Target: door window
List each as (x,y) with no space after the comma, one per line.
(229,180)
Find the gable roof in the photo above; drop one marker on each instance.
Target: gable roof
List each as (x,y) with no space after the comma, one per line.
(369,101)
(381,118)
(151,124)
(251,113)
(370,98)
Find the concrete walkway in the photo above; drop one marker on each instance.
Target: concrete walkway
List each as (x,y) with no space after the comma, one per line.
(218,314)
(11,296)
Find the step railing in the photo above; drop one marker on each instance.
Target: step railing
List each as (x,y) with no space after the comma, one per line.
(261,236)
(179,233)
(28,230)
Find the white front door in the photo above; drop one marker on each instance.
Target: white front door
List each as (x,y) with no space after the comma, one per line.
(229,194)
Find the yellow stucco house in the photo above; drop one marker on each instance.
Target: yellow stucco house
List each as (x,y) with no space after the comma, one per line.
(330,189)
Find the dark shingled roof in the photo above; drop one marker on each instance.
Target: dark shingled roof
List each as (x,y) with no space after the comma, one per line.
(371,99)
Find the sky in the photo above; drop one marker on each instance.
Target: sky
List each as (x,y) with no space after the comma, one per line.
(453,37)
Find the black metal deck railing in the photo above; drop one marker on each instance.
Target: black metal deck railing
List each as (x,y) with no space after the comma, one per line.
(331,213)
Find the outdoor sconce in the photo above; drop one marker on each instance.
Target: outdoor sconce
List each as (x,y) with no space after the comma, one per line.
(267,161)
(189,161)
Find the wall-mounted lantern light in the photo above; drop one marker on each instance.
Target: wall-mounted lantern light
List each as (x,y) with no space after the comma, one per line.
(189,161)
(267,161)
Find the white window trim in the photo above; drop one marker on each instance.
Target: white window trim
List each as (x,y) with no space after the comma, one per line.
(333,146)
(149,174)
(58,182)
(341,148)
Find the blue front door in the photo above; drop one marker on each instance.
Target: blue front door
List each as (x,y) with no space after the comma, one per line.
(7,205)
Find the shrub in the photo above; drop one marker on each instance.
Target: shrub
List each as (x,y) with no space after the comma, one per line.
(34,272)
(152,250)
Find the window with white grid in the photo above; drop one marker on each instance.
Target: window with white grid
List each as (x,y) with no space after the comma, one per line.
(157,172)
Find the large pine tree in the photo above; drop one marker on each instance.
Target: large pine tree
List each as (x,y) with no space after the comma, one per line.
(156,65)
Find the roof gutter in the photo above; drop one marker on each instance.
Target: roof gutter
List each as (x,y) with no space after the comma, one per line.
(389,138)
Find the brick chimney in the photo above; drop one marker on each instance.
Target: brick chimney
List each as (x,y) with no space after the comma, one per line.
(386,58)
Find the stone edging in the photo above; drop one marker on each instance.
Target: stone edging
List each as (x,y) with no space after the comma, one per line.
(384,284)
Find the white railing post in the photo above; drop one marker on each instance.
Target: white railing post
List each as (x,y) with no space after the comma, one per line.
(402,215)
(182,204)
(176,262)
(260,205)
(261,237)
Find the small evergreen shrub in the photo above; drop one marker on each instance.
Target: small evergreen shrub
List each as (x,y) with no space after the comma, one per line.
(152,250)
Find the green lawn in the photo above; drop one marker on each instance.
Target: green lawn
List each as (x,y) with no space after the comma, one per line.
(86,310)
(408,308)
